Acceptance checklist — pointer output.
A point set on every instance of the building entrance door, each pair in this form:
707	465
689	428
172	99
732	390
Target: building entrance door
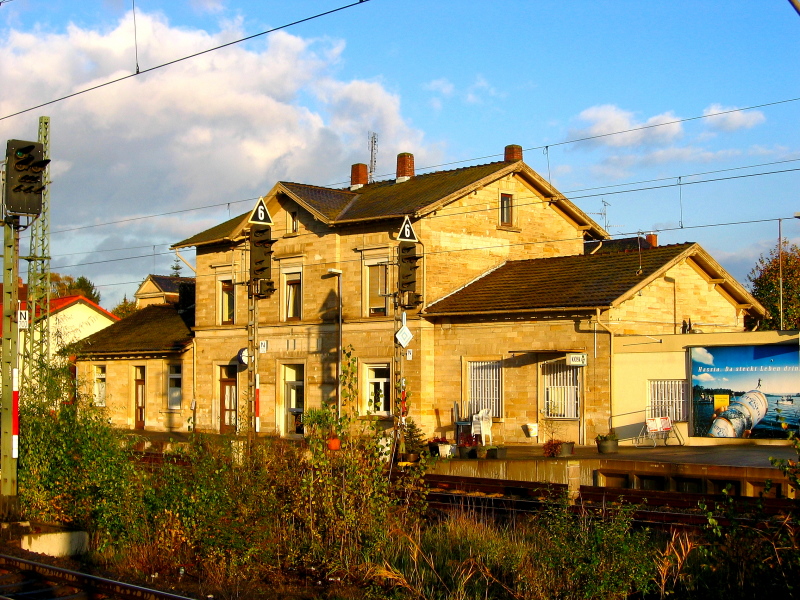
140	398
294	398
228	400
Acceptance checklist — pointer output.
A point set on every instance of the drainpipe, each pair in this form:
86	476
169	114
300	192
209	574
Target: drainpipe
610	365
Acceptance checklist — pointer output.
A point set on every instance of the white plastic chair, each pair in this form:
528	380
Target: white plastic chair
482	424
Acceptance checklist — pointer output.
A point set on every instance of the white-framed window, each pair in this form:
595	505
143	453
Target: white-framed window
562	390
292	223
100	385
174	387
378	389
506	215
377	277
485	386
227	302
294	397
668	398
293	295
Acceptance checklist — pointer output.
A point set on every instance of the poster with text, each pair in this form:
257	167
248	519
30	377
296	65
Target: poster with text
745	391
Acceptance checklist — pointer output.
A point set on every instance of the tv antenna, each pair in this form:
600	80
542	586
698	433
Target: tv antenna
604	213
373	155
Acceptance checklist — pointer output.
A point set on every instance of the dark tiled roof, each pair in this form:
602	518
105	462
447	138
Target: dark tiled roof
171	284
217	233
596	280
156	328
620	245
326	201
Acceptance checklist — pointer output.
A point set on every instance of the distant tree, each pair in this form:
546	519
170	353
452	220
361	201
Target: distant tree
176	267
765	285
84	287
125	308
67	285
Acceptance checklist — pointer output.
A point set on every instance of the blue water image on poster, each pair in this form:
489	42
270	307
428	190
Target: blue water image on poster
745	391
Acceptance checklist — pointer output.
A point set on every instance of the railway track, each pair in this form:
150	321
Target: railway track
653	508
25	579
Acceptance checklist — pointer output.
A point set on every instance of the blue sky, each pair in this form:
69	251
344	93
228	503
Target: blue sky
447	80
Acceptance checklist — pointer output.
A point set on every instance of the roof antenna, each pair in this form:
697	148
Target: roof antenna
680	201
373	156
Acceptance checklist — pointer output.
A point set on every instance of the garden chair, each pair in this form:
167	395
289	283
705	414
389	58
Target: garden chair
482	424
459	422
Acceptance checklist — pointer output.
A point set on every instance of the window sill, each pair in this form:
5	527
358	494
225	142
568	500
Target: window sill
376	418
171	411
509	228
291	234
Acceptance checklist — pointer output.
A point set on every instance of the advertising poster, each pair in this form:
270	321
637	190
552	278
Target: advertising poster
745	391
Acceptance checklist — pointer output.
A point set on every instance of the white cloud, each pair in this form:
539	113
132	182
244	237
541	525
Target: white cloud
217	128
477	92
705	377
608	119
208	6
733	119
703	356
440	86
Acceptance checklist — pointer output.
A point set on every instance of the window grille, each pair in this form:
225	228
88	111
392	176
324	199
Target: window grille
485	386
668	398
561	390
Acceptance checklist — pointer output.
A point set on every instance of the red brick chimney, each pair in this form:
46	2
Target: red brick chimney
405	167
652	239
513	153
358	176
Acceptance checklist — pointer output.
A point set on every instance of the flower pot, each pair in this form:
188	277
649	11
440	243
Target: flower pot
446	450
433	449
481	452
334	444
497	453
467	452
608	446
567	448
409	457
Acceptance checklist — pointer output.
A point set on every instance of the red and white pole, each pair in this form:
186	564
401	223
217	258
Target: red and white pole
15	413
257	403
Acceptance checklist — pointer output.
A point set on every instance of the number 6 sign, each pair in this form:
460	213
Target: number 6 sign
407	232
260	214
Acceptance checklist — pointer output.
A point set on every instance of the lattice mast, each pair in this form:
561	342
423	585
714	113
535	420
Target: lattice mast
36	340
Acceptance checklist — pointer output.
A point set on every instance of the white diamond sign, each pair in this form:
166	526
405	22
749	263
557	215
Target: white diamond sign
403	336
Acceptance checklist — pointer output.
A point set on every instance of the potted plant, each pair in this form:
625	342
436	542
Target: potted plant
556	447
467	446
411	442
496	452
321	423
439	446
607	443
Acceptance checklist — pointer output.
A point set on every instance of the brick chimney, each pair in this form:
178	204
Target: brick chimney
358	176
652	239
405	167
513	153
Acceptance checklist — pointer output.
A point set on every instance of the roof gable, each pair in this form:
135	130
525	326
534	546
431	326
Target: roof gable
388	199
576	282
154	329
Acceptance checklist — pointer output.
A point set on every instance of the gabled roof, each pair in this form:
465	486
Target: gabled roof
59	304
157	328
169	284
416	197
584	282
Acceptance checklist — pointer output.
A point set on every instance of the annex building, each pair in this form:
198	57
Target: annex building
512	295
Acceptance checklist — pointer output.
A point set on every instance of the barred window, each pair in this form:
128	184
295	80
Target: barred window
485	386
561	390
668	398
